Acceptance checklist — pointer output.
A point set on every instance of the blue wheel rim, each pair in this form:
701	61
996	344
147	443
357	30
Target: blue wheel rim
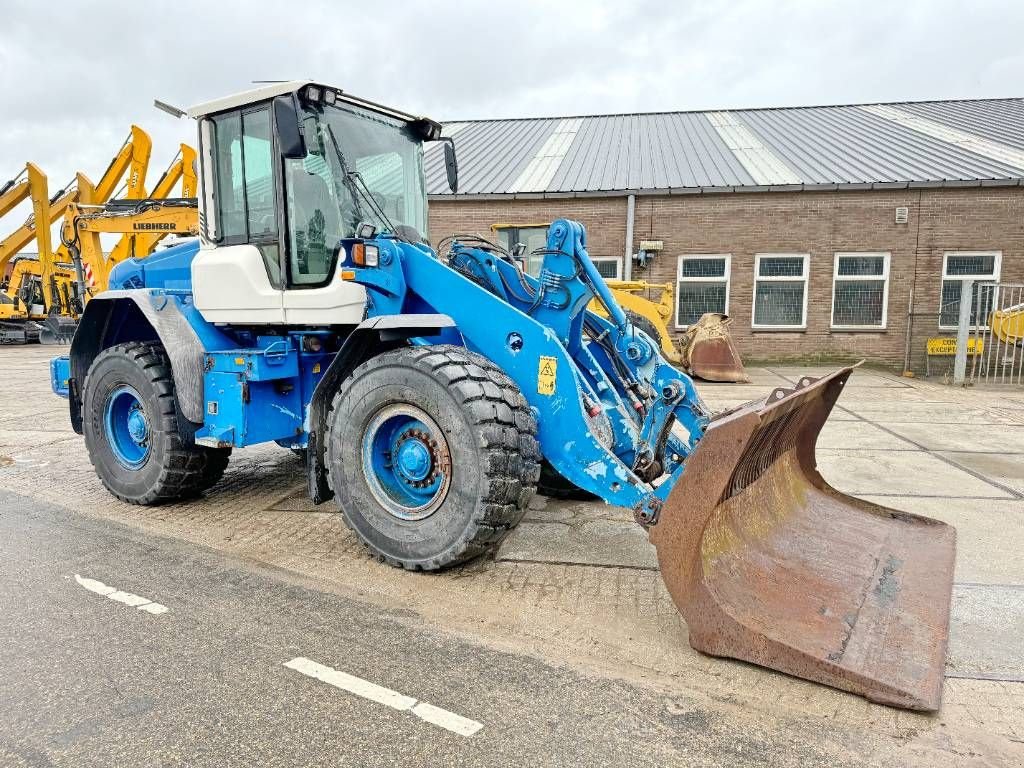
406	462
127	427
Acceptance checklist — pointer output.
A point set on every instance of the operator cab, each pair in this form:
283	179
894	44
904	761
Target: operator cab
287	172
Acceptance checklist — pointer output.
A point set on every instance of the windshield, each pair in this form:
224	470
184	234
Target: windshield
360	167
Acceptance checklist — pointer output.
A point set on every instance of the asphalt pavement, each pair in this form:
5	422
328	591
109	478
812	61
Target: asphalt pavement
127	649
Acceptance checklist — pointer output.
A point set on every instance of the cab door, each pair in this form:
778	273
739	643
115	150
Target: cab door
236	276
315	207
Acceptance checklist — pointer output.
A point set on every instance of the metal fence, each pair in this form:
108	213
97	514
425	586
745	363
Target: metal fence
990	339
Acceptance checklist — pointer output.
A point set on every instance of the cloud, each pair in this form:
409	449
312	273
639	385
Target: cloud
74	77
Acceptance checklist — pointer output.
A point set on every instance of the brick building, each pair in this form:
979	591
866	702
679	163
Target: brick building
825	232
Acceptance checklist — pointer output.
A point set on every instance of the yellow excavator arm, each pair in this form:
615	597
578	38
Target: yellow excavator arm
183	169
147	221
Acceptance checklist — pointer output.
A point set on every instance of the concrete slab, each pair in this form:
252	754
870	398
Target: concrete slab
840	433
22	439
986	627
758	378
903	473
596	542
884	411
860	379
1007	470
989	533
964	437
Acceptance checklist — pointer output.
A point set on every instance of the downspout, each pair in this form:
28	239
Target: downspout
627	259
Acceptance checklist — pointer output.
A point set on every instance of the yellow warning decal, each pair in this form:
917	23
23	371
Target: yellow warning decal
546	369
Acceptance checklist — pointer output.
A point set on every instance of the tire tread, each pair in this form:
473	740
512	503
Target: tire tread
509	450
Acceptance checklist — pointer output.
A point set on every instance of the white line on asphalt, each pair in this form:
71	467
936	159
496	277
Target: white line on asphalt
389	698
127	598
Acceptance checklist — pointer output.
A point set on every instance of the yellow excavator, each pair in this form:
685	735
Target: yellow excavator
31	286
42	297
706	349
46	279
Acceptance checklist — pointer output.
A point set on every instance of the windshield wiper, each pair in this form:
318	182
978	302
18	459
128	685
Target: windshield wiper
361	190
377	207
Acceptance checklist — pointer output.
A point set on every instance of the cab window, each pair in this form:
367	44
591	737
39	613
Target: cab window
247	206
247	209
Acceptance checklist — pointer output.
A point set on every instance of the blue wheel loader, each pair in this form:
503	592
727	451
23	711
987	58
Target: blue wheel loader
432	392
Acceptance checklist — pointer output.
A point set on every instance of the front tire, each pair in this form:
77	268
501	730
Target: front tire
139	445
432	454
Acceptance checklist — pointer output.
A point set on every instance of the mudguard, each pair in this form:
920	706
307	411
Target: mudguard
114	317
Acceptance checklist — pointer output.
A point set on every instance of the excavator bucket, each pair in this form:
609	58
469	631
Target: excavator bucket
57	329
709	353
771	565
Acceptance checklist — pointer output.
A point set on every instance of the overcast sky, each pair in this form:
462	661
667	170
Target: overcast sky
73	79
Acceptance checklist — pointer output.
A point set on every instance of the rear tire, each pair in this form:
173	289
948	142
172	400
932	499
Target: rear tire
140	446
432	455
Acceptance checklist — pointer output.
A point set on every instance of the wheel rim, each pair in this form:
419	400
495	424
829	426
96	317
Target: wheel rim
127	427
406	462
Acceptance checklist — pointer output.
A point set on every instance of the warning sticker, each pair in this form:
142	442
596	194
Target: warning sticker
546	370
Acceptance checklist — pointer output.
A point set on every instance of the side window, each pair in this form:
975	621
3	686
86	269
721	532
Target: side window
247	207
260	198
231	205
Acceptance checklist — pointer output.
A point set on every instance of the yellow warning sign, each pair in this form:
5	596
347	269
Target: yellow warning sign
546	370
947	346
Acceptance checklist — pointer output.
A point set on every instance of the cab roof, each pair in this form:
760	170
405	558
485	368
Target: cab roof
270	90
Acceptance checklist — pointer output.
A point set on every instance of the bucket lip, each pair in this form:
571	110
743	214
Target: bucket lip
781	397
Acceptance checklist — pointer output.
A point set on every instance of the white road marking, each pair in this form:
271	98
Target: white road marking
442	718
127	598
448	720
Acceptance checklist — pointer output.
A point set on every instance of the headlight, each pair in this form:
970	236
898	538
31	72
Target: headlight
365	255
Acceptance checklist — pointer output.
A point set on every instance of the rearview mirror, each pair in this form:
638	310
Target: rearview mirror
286	124
451	165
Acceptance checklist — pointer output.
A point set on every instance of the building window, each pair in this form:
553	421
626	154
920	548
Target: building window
702	285
958	266
610	267
534	237
860	290
780	290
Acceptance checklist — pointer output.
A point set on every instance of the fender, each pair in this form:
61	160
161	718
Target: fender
116	317
370	338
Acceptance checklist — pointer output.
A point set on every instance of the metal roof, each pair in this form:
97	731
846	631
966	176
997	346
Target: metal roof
904	144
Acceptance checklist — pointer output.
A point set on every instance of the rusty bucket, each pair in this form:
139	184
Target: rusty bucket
708	351
771	565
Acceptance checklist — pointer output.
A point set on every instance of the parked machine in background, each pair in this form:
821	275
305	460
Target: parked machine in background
426	390
706	349
43	294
